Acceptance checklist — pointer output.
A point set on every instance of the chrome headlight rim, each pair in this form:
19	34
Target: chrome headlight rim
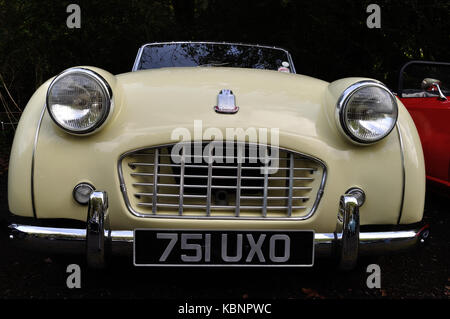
341	107
105	87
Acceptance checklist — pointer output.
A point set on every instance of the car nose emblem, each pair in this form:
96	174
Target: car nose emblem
226	102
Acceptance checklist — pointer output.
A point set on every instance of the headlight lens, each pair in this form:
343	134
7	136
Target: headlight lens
367	112
79	100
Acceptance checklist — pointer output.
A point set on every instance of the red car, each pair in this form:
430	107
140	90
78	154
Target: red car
424	90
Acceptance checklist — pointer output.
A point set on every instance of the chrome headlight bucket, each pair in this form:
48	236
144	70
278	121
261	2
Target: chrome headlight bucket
366	112
79	100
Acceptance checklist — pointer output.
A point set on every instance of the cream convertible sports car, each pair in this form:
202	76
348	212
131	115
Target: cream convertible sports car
215	154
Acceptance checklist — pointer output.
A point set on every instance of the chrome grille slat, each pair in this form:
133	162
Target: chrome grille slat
224	186
266	187
169	195
155	181
291	184
275	197
226	177
214	157
181	194
238	179
218	206
220	166
209	186
190	186
204	196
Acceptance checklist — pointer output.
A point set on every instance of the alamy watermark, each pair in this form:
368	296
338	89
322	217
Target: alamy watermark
74	279
211	146
374	279
74	19
374	19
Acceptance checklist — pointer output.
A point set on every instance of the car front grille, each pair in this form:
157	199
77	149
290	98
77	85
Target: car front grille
233	183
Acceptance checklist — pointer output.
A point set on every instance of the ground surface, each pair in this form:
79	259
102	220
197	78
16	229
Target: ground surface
423	273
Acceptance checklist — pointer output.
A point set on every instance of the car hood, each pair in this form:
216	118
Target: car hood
176	97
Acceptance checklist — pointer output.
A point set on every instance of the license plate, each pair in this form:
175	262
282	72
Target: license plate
222	248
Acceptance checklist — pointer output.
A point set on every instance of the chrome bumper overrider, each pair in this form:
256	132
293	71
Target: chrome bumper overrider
97	242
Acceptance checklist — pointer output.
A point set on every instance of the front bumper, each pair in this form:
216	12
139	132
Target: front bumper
98	242
72	240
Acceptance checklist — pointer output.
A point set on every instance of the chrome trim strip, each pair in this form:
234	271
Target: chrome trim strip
137	59
307	216
50	233
402	150
141	49
33	155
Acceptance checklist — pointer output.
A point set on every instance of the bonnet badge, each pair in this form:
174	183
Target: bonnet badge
226	102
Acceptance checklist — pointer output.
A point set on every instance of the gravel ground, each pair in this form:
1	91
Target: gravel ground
422	273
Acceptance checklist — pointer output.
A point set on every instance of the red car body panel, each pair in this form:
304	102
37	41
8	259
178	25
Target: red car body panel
431	115
432	119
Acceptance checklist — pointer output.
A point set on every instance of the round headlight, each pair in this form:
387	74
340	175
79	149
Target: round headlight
366	112
79	100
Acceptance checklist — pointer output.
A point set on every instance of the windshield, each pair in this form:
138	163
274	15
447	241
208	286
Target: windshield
155	56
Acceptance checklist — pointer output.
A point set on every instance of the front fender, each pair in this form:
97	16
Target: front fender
21	162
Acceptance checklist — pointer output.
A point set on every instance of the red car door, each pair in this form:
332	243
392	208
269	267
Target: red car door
429	106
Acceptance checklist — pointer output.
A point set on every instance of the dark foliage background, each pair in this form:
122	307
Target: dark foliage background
328	39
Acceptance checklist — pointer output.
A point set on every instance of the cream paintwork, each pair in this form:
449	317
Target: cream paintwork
148	105
414	169
19	173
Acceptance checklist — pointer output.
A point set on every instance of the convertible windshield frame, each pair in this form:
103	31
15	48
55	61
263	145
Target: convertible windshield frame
141	49
401	78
